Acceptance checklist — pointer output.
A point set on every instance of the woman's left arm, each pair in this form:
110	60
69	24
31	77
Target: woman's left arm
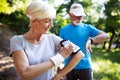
72	63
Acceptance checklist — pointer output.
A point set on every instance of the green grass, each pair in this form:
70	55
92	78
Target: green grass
106	65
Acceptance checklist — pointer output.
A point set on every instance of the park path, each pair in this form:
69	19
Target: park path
7	70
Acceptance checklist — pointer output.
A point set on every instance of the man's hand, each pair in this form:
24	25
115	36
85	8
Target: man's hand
88	46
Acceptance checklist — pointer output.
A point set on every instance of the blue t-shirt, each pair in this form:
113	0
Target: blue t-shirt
79	35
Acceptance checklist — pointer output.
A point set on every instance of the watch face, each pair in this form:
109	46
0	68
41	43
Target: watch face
65	43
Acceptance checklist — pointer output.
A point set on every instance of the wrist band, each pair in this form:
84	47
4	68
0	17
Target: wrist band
57	59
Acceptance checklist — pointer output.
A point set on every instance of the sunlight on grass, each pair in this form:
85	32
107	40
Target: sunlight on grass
106	65
100	64
107	68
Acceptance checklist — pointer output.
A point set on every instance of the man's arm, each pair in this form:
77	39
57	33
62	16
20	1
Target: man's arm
101	37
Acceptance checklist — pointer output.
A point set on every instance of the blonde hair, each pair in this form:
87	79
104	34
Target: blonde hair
40	10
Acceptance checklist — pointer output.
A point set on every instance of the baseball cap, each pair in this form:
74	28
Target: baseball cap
77	9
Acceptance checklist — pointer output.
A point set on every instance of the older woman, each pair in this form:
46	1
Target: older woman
34	52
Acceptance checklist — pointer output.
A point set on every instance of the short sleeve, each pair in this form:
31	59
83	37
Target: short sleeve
93	31
15	44
56	41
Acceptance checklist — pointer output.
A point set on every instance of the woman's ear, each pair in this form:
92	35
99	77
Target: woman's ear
32	22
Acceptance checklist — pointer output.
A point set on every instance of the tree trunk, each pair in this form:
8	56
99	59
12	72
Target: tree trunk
117	43
71	2
104	45
111	39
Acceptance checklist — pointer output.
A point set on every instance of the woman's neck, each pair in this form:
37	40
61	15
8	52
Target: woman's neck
33	37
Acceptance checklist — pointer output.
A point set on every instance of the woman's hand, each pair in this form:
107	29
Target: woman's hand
66	51
57	77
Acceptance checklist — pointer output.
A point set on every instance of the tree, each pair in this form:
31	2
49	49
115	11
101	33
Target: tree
63	17
112	19
12	13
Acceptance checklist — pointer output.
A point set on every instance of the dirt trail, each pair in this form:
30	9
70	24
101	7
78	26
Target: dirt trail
7	71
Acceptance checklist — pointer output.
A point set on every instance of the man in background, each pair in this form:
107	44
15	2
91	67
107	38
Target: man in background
83	35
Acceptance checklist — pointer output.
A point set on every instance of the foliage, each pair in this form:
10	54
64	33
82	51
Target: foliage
106	65
111	20
58	23
12	13
10	6
17	21
63	19
5	8
112	13
20	21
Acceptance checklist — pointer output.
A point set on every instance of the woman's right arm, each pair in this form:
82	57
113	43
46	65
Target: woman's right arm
27	72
